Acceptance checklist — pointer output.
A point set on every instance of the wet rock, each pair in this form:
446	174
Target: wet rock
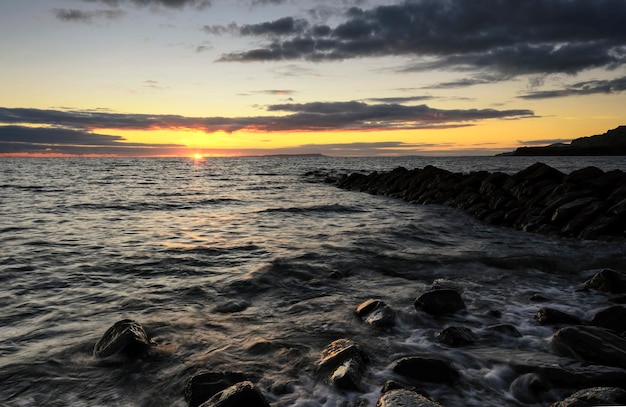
550	316
405	398
592	344
440	302
394	385
613	318
529	388
538	298
505	330
231	306
125	337
343	363
608	280
456	336
205	385
596	396
426	369
588	203
376	313
238	395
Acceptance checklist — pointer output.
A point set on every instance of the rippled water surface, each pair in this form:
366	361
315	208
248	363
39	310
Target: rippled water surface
247	264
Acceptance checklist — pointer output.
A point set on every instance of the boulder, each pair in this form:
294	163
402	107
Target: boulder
440	302
342	363
613	318
125	337
428	369
551	316
202	386
376	313
592	344
405	398
529	388
596	396
238	395
608	280
456	336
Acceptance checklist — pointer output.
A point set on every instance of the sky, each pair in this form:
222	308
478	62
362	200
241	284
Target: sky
332	77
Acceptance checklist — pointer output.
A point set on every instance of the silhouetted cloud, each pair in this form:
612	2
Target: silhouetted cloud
81	16
581	88
317	116
401	99
508	37
46	140
199	4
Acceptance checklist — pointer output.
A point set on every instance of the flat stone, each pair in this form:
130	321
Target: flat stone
405	398
426	369
591	344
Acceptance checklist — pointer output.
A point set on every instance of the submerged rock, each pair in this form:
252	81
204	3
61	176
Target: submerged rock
457	336
426	369
505	330
551	316
529	388
238	395
202	386
607	280
596	396
125	337
613	318
592	344
440	302
343	363
405	398
376	313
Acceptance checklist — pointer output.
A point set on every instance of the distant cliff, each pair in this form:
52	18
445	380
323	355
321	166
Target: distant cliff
613	142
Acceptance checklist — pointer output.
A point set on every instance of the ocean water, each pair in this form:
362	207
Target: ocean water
248	264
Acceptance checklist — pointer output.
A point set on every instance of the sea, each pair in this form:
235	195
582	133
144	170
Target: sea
254	265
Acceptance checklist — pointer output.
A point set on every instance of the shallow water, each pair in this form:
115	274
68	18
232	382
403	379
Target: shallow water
249	265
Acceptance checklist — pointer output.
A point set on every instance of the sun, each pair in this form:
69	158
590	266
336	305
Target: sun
197	156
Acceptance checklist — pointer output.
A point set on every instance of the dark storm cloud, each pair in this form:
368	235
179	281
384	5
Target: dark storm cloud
319	116
199	4
86	16
282	26
607	86
400	99
21	139
510	37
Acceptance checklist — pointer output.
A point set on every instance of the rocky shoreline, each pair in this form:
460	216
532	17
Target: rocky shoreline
587	204
586	357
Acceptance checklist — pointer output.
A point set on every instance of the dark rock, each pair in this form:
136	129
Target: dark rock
613	318
405	398
456	336
394	385
376	313
348	375
584	175
566	212
604	227
505	330
426	369
538	298
583	342
343	363
205	385
596	396
550	316
125	337
238	395
529	388
440	302
231	306
608	280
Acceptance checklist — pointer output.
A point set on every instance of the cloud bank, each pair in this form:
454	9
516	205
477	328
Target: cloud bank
37	130
507	37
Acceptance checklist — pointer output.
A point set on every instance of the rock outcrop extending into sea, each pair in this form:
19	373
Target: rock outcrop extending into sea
588	203
611	143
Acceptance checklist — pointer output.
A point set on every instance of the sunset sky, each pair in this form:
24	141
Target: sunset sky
336	77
